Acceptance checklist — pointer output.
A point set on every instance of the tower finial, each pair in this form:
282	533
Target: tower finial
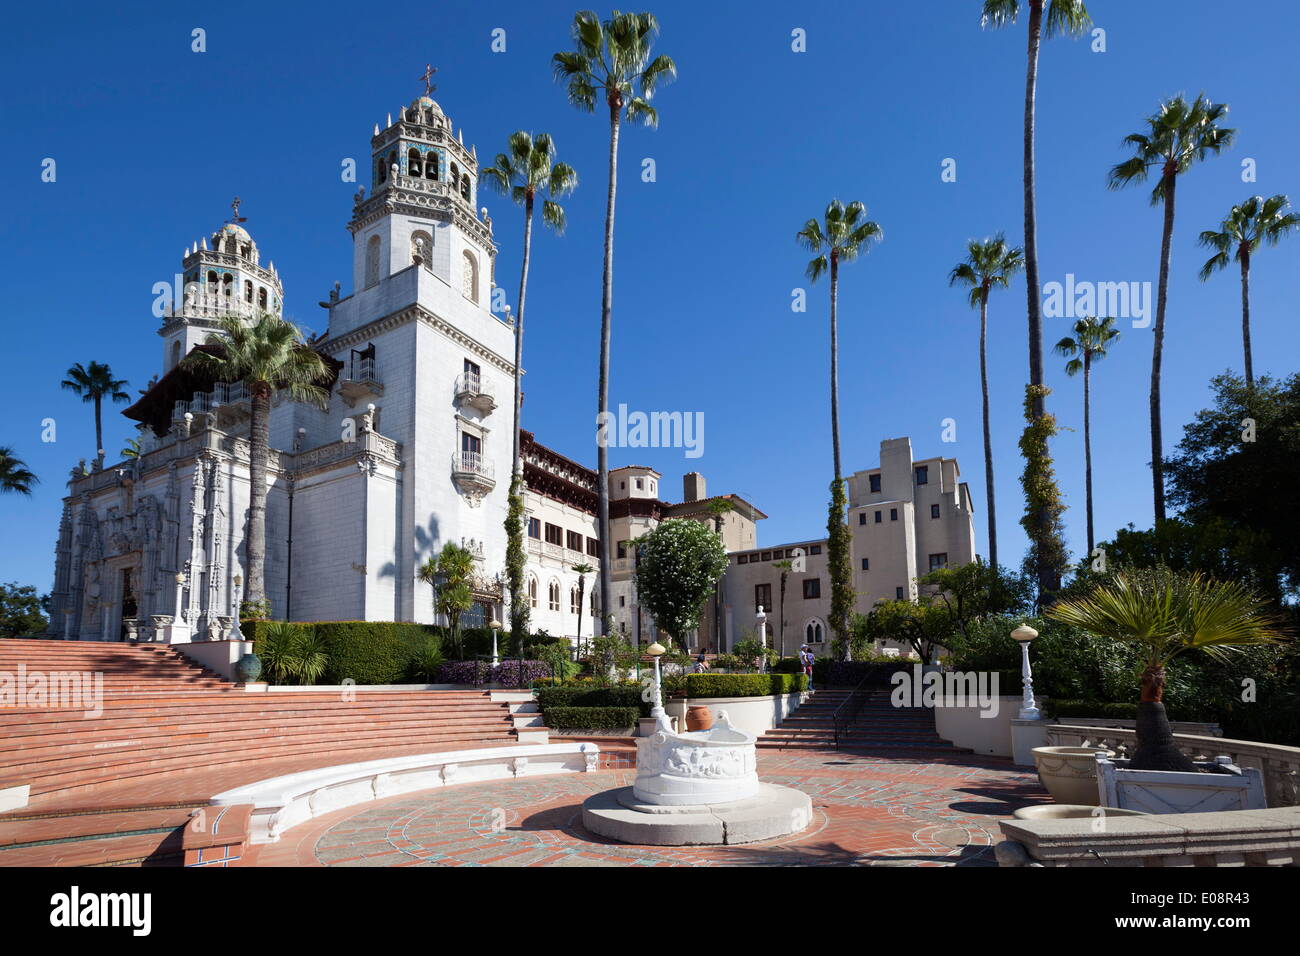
235	217
427	76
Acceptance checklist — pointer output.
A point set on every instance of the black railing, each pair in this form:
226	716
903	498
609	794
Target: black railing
847	712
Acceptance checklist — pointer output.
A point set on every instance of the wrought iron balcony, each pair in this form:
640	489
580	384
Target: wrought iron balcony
472	390
472	474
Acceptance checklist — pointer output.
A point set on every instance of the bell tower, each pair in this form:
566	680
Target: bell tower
226	278
419	208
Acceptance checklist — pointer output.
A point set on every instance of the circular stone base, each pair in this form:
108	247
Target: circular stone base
775	811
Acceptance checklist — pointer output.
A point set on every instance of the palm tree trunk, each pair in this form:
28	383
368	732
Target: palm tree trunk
515	575
1245	315
1157	352
835	365
1087	441
582	593
1155	739
602	400
258	440
783	577
1033	303
988	438
99	429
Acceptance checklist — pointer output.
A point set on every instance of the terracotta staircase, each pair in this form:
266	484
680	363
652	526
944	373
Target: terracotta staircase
879	727
117	787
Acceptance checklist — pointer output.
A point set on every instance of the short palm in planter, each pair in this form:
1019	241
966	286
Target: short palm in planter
1168	613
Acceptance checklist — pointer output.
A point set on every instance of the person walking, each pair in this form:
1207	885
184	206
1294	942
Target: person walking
806	659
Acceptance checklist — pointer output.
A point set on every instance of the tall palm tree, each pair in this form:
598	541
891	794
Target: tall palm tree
94	383
719	508
988	265
1167	613
582	570
1090	342
267	355
14	474
844	234
1255	221
1177	135
525	169
1062	17
612	58
785	567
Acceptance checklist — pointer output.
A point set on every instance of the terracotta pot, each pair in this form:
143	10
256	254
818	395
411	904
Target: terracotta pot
1070	773
699	717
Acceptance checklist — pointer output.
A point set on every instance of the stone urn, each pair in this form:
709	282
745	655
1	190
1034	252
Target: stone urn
696	769
248	668
1072	811
1070	773
699	717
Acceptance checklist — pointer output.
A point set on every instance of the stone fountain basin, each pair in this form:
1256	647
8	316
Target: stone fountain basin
698	768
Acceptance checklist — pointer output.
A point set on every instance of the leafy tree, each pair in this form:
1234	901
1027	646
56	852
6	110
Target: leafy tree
989	265
612	58
94	383
1168	613
20	611
678	565
976	590
1047	558
527	168
267	355
1090	342
451	575
14	473
1243	230
1177	135
923	625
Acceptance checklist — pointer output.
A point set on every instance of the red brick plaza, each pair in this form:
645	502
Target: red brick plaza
896	810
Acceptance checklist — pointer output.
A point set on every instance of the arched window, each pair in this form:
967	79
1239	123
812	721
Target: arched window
212	280
591	602
261	297
575	606
431	164
469	275
392	158
464	187
532	591
455	174
372	261
381	170
421	247
227	284
813	633
553	595
248	291
413	165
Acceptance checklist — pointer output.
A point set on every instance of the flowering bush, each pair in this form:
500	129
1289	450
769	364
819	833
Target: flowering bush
510	673
678	566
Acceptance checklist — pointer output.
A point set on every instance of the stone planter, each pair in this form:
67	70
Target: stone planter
1070	773
1072	811
1216	785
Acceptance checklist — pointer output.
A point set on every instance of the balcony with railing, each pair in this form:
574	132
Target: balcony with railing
473	391
361	383
472	475
223	395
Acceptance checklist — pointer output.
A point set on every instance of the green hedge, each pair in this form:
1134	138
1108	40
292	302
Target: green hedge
604	697
1115	710
590	718
370	652
743	685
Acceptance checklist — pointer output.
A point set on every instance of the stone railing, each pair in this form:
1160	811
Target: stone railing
1227	838
1279	764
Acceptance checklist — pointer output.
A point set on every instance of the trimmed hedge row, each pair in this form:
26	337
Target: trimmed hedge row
590	718
367	652
743	685
603	697
833	673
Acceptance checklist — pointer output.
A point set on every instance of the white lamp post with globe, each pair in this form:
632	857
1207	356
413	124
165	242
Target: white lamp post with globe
1028	706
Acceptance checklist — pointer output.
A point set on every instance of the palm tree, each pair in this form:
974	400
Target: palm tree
1091	339
1255	221
845	234
989	264
583	570
267	355
451	574
526	168
614	58
719	508
1063	17
1166	613
14	474
134	448
1177	135
785	567
94	383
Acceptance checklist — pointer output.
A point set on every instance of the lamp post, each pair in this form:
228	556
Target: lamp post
496	626
761	618
1028	707
656	650
180	596
235	634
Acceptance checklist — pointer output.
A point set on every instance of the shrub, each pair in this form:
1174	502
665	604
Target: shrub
833	673
371	652
508	673
425	663
743	685
590	718
618	695
787	665
290	653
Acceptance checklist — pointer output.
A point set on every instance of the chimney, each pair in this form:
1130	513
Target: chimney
693	487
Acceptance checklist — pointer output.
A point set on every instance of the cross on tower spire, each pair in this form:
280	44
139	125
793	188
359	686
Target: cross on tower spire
427	76
235	217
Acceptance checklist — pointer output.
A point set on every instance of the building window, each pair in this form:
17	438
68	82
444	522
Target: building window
575	604
893	514
553	595
639	484
762	597
591	603
866	564
469	276
875	484
421	247
413	165
898	594
261	297
934	511
534	528
622	550
814	549
622	600
431	164
593	548
813	633
938	561
532	592
922	474
862	517
877	517
743	559
812	588
554	534
573	541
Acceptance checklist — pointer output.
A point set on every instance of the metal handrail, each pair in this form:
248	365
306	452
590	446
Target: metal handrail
857	697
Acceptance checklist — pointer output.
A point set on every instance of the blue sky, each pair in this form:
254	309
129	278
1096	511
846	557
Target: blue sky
152	141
